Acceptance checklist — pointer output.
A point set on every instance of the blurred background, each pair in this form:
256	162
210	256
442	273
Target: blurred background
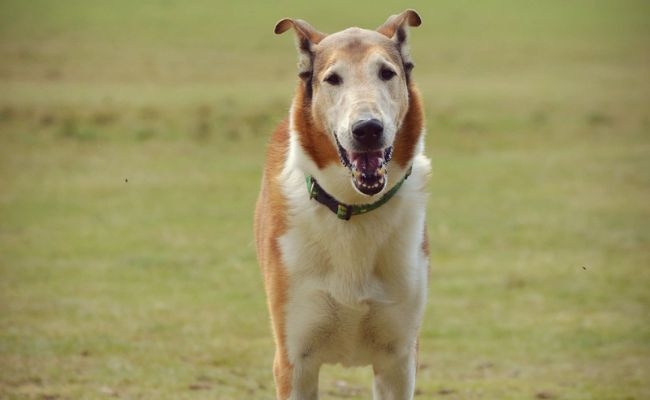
132	137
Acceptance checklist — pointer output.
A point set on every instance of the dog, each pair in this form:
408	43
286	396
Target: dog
340	219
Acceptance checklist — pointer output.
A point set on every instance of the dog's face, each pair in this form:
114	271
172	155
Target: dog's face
357	86
360	98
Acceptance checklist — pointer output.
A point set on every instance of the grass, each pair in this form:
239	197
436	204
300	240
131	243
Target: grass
131	148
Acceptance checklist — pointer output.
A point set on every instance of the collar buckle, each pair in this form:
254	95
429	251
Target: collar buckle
344	211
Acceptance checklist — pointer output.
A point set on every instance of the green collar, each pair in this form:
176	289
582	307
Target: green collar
346	211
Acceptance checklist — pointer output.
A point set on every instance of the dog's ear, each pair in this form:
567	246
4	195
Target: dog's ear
396	29
306	38
396	23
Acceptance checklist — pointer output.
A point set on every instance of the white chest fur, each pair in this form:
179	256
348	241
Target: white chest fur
357	288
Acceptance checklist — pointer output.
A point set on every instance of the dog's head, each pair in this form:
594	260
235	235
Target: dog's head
355	96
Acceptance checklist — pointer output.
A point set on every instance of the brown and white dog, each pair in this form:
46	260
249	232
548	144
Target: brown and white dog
340	218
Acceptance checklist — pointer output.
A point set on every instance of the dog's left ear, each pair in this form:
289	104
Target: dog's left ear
395	28
306	38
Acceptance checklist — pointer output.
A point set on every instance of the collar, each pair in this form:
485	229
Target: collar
346	211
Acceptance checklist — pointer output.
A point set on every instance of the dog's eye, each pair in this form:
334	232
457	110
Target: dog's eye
386	74
334	79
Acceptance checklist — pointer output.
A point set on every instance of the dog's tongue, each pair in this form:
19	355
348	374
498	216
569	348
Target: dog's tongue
367	162
368	171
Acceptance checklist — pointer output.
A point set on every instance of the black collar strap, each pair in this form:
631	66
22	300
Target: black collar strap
346	211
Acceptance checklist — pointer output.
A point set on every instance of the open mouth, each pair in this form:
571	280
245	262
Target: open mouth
368	168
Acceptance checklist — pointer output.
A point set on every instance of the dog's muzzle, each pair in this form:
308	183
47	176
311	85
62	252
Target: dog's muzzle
368	167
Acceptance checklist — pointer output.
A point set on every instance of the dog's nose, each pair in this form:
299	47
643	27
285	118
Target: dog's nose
368	133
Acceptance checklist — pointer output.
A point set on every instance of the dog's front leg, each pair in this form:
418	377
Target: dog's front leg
298	381
305	382
295	379
395	378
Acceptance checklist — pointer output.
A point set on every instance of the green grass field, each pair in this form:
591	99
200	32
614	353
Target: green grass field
131	144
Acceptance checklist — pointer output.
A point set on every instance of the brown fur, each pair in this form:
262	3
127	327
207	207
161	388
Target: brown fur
312	138
270	224
408	135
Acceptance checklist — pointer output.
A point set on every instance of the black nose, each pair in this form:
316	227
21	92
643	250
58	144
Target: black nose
368	133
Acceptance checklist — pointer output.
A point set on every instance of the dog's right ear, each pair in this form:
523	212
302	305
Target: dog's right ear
306	38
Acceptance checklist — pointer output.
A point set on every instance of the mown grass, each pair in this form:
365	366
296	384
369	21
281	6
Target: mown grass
132	137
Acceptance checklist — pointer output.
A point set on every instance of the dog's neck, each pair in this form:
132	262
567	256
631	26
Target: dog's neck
346	211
